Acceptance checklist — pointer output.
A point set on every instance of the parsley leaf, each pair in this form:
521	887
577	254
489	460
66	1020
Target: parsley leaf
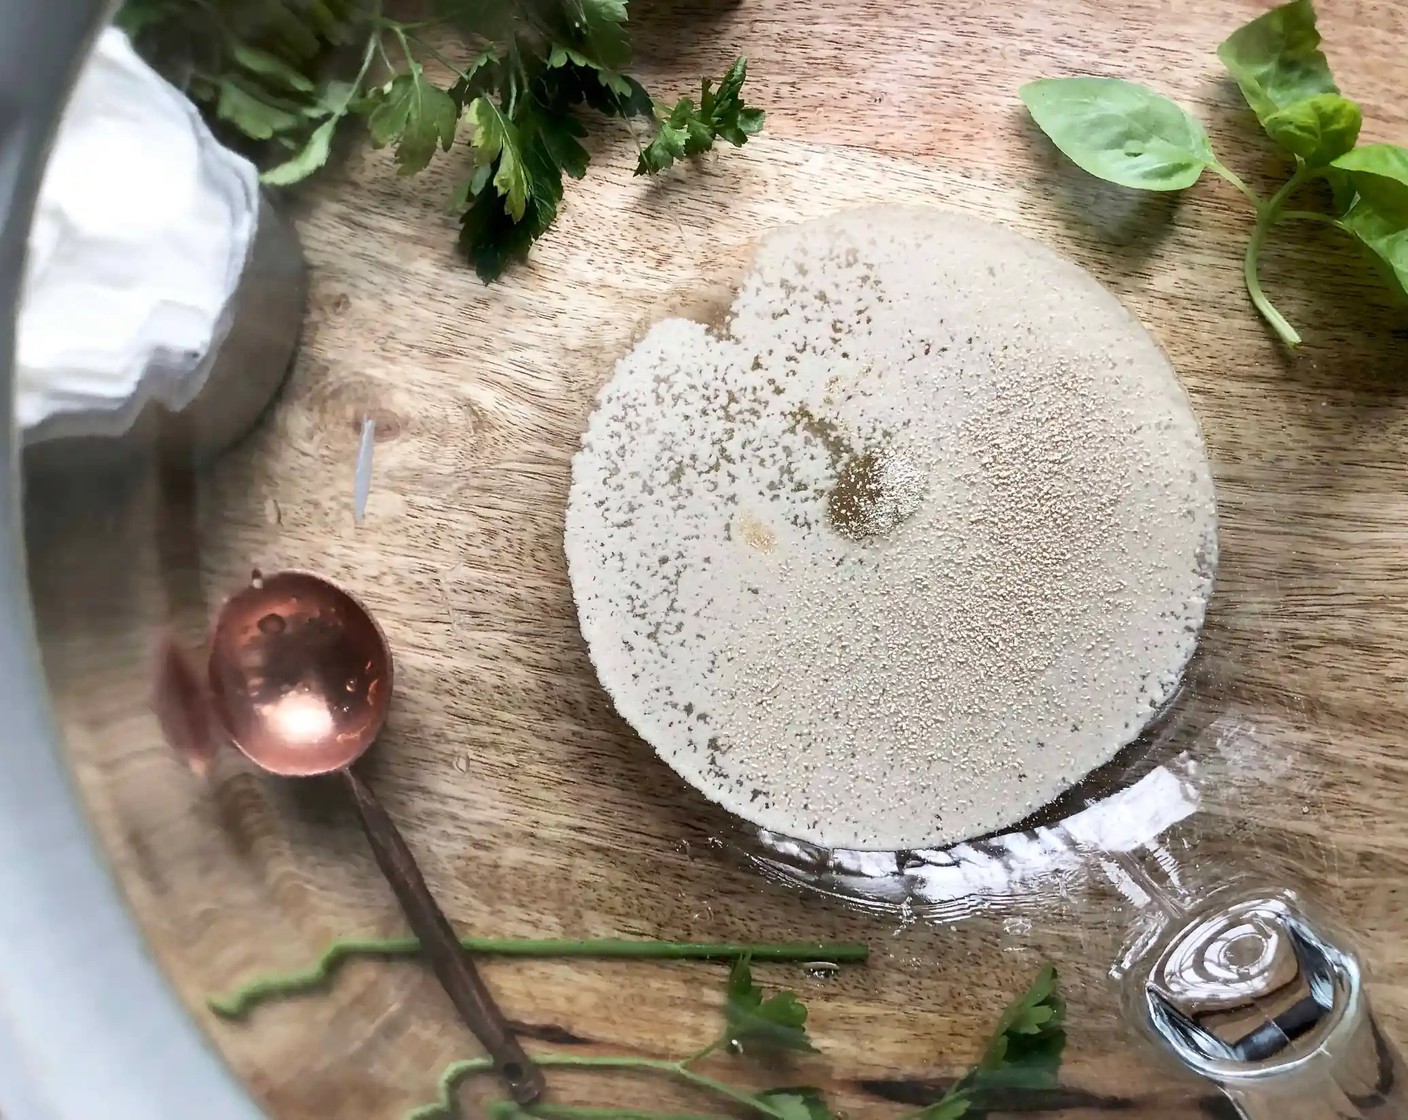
334	102
270	66
627	96
491	235
1023	1053
307	160
491	240
598	37
480	76
670	142
609	92
252	111
496	138
772	1024
687	131
560	137
414	115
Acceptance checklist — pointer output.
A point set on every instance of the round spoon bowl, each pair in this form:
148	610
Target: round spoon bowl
300	674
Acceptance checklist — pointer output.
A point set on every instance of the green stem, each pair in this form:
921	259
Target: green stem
1284	331
1237	181
700	1055
385	57
439	56
957	1092
1307	216
724	1090
415	25
237	1003
369	53
373	45
400	34
458	1071
1267	216
575	1112
444	1103
514	66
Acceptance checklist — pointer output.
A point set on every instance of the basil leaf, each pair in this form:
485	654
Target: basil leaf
309	159
1276	59
1120	131
1379	215
796	1104
1318	129
1386	237
1379	173
1342	189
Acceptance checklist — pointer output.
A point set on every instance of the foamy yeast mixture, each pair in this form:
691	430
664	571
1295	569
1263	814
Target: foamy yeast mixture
922	540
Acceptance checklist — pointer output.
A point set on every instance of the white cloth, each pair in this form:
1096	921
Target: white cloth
142	229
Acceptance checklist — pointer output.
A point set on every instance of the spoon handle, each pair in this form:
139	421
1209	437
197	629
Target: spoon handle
456	971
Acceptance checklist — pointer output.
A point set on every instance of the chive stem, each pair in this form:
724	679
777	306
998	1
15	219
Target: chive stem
237	1003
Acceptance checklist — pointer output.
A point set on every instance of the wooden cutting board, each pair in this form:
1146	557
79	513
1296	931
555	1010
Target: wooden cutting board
535	810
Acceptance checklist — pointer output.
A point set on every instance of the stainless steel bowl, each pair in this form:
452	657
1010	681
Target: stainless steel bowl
88	1027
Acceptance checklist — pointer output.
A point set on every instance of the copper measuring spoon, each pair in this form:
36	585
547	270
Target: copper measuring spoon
300	677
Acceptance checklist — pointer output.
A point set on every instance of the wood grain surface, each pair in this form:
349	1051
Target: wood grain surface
534	809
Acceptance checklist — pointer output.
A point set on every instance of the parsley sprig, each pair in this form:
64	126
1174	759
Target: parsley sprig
1024	1052
522	75
688	131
